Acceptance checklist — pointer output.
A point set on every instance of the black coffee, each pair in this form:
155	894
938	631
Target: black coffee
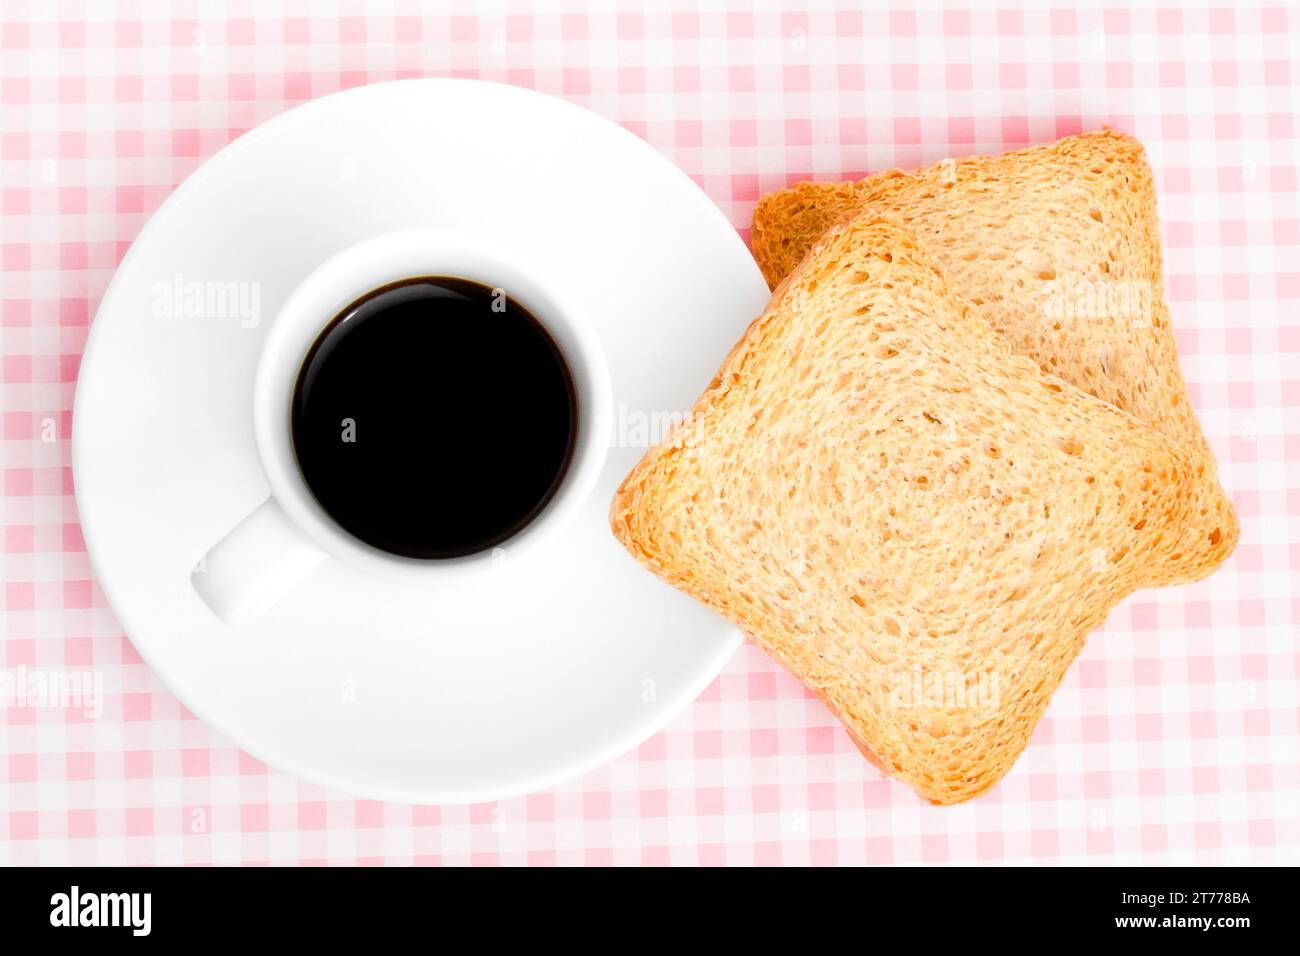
434	417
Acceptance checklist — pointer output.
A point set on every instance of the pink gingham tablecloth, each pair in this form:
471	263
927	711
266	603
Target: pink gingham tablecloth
1174	739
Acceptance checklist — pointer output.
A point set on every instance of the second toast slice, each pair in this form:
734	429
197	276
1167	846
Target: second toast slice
1058	248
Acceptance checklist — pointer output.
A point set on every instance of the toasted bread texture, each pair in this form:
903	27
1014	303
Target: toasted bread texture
919	524
1058	248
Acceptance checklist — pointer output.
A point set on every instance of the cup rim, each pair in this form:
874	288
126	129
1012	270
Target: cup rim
351	273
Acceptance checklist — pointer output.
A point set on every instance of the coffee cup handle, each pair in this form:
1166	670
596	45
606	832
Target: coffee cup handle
255	565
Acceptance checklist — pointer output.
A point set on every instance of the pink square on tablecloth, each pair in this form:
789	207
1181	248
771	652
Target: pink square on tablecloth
431	816
853	130
1282	179
767	853
1097	784
1257	723
240	32
989	846
1203	724
905	76
765	798
17	426
821	797
1015	130
1146	670
1151	783
1224	73
1096	729
1155	838
707	744
24	825
1065	75
711	855
139	821
654	803
631	80
934	848
137	764
80	765
1251	612
631	26
1205	780
1101	843
14	36
1197	614
1232	232
1262	833
902	23
1092	674
956	23
907	130
137	706
15	200
1064	22
742	79
597	806
798	132
368	814
820	740
76	594
1209	836
20	595
1200	670
1222	20
254	817
196	762
78	652
763	741
295	30
1273	20
1150	727
958	76
14	258
1045	843
710	801
19	538
22	768
81	824
1013	76
352	30
1119	75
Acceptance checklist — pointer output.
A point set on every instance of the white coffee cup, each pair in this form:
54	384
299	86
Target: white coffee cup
287	537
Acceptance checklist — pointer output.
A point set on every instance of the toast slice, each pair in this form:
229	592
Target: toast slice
1058	248
920	525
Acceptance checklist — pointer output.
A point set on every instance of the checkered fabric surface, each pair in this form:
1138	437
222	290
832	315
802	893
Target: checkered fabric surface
1174	739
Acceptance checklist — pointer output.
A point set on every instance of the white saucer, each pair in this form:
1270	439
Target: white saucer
531	675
